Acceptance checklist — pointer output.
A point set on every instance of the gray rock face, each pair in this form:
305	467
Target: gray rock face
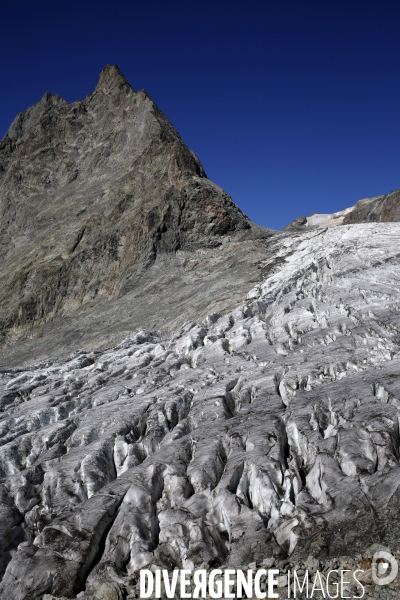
381	209
270	430
180	286
91	194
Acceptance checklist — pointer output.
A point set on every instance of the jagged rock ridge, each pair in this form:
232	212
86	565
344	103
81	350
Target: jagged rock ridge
90	194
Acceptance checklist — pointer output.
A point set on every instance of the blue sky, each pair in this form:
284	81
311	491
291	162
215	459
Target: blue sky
291	105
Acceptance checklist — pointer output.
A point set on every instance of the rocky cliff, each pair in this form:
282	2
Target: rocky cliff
91	193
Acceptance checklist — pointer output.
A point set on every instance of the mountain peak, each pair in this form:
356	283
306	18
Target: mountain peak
112	77
114	187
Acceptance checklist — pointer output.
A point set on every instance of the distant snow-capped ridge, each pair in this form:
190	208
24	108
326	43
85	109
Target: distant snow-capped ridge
382	209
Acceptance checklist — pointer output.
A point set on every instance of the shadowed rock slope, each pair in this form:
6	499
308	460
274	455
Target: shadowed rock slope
91	194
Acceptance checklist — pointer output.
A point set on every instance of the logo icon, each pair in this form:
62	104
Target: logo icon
384	568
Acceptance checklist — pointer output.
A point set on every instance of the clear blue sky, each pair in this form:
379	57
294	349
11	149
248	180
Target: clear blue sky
293	106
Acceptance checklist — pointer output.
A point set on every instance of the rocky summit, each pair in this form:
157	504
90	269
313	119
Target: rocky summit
256	424
98	199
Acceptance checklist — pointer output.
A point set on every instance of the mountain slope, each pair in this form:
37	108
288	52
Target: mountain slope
380	209
269	431
91	193
253	409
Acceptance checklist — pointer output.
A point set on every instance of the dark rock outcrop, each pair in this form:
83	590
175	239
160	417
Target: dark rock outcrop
298	223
